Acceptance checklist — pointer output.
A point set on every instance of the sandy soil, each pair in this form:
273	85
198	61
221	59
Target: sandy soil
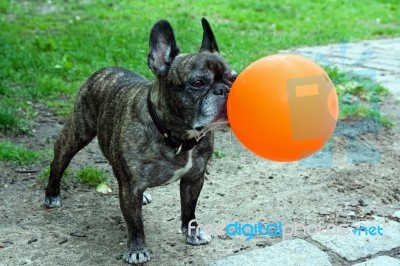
89	229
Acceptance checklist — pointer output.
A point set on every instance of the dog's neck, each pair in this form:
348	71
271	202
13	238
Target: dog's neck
180	143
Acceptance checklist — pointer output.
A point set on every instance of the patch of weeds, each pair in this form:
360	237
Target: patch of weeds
16	115
8	119
60	107
219	154
44	45
91	176
11	152
386	122
47	154
45	173
358	96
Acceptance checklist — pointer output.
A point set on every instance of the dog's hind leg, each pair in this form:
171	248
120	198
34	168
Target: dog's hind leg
78	131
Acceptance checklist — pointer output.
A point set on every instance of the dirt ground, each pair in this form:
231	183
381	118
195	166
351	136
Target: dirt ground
89	229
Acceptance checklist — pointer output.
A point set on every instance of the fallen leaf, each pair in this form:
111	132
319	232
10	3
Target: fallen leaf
103	188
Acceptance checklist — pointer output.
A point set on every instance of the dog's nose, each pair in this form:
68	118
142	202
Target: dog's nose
221	90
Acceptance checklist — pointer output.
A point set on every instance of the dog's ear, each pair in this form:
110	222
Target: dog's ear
163	48
209	44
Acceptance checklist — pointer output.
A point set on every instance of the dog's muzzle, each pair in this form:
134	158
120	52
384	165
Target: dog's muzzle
221	90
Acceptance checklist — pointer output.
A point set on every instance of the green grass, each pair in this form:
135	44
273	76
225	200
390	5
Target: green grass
358	96
45	173
218	154
8	119
91	176
48	50
10	152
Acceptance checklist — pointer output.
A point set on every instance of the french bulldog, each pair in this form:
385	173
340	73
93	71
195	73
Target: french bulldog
152	132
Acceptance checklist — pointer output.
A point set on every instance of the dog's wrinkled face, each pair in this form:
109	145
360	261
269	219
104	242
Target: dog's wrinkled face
193	88
201	83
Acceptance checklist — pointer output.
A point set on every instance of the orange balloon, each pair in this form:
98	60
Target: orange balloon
283	107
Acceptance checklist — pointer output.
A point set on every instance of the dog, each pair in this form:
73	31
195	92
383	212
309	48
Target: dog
152	132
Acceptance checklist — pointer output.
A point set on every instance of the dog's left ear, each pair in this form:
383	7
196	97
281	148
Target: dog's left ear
209	44
163	48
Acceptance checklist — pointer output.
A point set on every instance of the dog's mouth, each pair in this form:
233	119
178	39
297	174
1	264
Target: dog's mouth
223	115
199	131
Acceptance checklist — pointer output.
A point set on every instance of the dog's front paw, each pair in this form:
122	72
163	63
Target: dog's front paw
52	201
197	237
136	256
147	198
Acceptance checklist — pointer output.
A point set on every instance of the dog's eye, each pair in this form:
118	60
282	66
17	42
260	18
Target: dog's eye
197	83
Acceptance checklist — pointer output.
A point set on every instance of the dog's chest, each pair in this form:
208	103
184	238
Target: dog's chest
182	171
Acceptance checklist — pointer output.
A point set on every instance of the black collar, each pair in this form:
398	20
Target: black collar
180	145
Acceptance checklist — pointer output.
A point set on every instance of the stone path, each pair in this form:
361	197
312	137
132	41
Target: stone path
361	245
379	59
364	244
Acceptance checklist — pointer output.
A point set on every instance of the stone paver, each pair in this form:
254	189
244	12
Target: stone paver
289	253
379	59
380	261
354	246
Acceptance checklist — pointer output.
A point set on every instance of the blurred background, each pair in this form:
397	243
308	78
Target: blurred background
48	48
